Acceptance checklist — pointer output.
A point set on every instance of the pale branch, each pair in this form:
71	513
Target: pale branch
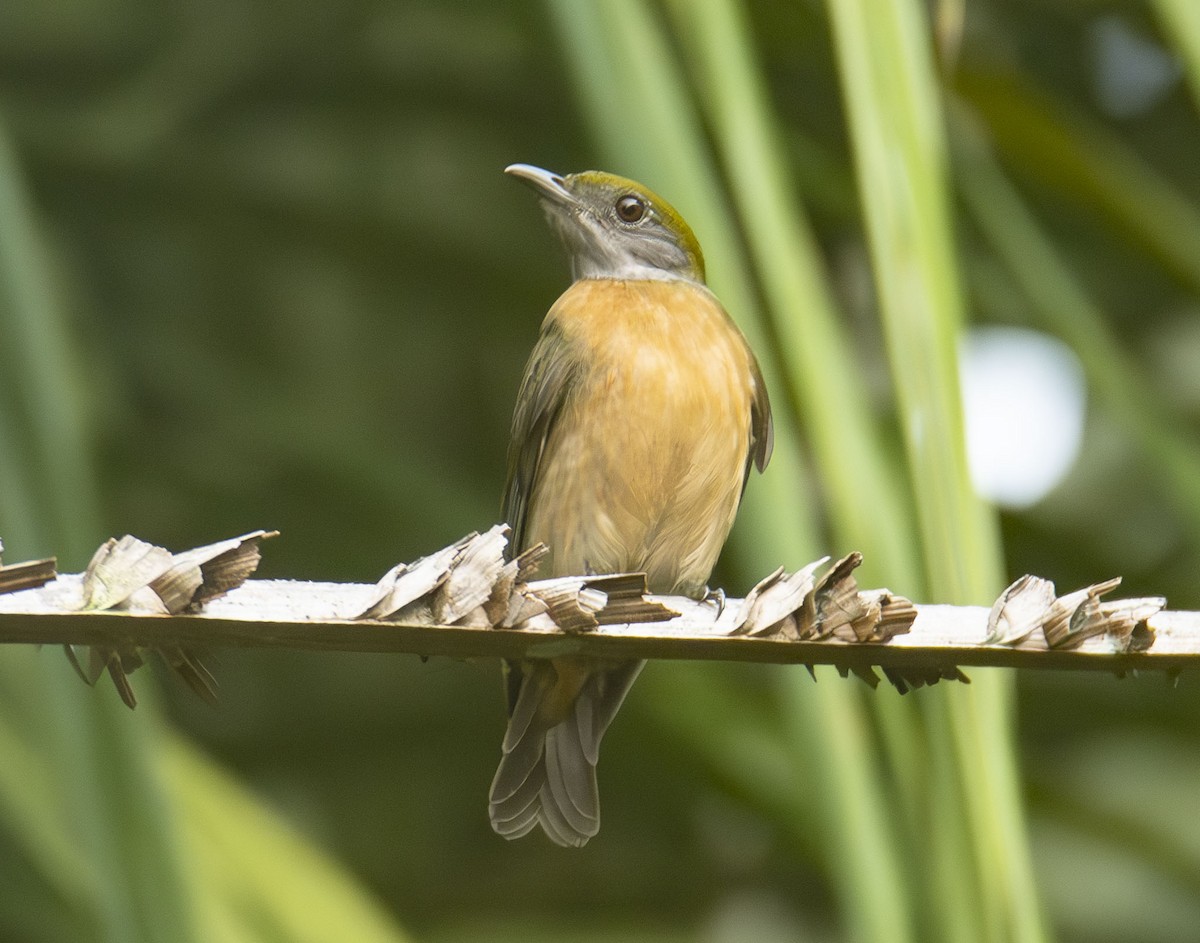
469	601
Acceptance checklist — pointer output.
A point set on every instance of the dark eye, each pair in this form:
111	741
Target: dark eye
630	208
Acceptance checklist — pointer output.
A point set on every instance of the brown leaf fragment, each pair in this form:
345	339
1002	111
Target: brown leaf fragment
1071	623
786	629
505	605
529	560
896	616
135	575
626	600
912	677
570	602
896	679
495	607
120	568
120	679
581	603
406	583
177	587
225	565
118	662
472	576
744	623
468	583
862	628
1076	616
839	608
766	608
1125	622
523	605
806	618
1019	611
188	666
867	674
476	618
95	667
28	575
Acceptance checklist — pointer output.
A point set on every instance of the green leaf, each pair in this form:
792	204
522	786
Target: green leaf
1181	23
894	107
264	882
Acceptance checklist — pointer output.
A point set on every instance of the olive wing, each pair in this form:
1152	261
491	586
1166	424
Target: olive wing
762	426
549	380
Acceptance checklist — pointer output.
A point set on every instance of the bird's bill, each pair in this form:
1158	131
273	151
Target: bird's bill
547	184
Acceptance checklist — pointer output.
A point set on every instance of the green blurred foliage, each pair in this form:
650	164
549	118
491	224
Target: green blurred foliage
299	293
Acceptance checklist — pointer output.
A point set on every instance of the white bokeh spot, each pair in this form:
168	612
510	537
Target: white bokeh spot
1024	400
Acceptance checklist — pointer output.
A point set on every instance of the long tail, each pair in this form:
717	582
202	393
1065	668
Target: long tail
547	774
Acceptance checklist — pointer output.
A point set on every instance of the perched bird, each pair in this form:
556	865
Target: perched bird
641	411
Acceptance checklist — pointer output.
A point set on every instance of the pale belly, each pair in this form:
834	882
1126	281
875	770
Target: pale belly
644	470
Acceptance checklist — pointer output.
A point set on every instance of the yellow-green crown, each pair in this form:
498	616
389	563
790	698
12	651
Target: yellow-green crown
607	188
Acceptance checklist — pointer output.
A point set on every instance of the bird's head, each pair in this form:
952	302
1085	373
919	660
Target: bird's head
615	228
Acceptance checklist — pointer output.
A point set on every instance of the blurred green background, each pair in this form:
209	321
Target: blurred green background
259	268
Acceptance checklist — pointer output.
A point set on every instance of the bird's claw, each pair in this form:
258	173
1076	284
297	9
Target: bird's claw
716	596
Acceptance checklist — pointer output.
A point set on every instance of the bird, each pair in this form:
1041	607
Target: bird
640	414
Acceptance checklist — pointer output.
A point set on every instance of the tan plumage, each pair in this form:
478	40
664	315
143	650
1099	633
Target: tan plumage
640	413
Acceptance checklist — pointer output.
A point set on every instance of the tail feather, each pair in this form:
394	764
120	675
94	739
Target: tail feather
519	827
510	806
585	723
604	693
524	706
557	790
518	815
518	766
572	781
556	826
547	775
577	774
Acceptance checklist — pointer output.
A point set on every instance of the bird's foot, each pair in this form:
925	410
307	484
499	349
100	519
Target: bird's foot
715	597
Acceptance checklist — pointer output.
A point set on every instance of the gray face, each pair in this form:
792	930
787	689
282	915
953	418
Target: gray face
615	228
602	245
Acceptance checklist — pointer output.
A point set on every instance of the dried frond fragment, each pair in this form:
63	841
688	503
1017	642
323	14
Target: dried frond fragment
27	575
1019	611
